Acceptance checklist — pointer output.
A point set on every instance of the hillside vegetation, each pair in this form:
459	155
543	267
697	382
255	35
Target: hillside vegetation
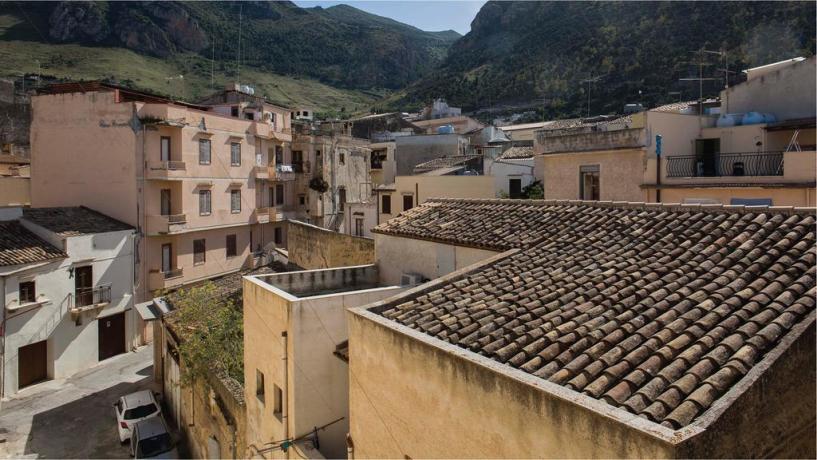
519	53
328	58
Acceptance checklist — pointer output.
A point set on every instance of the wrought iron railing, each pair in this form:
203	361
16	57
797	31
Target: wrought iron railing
726	165
92	296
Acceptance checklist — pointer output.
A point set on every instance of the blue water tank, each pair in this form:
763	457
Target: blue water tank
769	118
445	129
726	120
753	118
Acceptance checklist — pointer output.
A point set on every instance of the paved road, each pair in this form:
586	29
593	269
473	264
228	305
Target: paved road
74	418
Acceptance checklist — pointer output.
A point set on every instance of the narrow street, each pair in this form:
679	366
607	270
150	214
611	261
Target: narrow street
74	418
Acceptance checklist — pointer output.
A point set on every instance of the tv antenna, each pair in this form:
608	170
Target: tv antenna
589	82
238	60
700	62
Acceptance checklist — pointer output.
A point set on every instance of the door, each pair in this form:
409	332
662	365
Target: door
706	152
32	362
165	152
515	188
172	389
167	251
111	335
164	200
84	285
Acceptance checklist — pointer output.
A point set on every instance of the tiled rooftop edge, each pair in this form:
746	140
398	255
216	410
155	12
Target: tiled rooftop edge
260	281
733	208
373	311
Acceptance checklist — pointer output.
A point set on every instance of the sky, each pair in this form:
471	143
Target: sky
427	15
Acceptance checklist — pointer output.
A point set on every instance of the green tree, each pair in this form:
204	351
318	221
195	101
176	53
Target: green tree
211	333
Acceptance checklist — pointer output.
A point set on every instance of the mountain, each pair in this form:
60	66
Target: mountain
341	47
532	54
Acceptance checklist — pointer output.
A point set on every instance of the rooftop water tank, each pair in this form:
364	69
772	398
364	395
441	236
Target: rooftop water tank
769	118
753	118
728	119
445	129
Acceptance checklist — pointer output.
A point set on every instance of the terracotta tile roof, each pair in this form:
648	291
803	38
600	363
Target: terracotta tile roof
497	225
658	310
516	153
674	107
445	162
74	221
18	245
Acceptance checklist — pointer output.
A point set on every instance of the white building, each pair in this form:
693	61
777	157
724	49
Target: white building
66	278
512	171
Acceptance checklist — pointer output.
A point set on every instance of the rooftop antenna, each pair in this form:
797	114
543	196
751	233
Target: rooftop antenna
700	62
590	81
238	61
213	67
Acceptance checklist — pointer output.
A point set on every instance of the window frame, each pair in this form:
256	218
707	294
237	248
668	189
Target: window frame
279	195
385	202
411	197
231	245
260	387
30	298
202	252
590	171
209	145
233	193
278	403
208	200
235	147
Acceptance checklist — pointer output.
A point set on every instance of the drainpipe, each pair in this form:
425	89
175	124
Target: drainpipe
285	390
658	139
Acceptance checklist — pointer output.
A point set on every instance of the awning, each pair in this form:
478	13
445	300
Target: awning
152	310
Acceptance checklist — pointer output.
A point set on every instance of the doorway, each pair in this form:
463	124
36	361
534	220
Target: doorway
706	154
167	251
515	188
164	200
84	285
32	364
111	335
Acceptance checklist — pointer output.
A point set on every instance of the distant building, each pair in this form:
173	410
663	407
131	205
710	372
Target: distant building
306	114
66	275
15	175
458	124
440	109
589	330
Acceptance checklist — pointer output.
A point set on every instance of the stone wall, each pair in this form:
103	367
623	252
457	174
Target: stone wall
312	247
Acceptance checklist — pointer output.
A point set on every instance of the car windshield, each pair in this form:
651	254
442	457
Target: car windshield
153	446
141	411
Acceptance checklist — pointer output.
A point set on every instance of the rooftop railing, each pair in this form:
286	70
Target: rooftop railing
735	164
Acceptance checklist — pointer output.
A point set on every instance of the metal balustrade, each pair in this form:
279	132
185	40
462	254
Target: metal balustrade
735	164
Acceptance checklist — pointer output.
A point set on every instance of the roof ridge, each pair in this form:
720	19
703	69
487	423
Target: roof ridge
738	208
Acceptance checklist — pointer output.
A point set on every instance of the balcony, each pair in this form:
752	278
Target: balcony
739	164
284	172
164	280
269	131
162	225
89	299
269	214
165	170
261	172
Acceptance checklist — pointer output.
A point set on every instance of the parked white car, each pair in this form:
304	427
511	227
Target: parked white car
133	408
151	439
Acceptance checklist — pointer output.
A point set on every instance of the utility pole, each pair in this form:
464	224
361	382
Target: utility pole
589	82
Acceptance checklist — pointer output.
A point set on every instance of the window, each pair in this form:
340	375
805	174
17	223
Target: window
232	249
235	201
306	113
342	157
385	204
235	154
358	227
259	385
204	151
341	199
164	153
234	111
27	292
249	116
302	200
279	236
589	187
408	202
515	188
279	194
199	251
278	408
279	155
377	158
272	117
140	411
204	203
297	161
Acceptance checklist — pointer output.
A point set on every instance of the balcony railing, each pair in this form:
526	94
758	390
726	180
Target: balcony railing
172	273
166	169
726	165
84	297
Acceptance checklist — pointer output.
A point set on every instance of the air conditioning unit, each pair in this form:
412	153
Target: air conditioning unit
411	279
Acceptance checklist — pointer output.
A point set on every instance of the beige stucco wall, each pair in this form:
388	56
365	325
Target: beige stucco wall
802	196
396	256
411	400
424	187
84	151
788	92
15	191
314	382
620	174
313	247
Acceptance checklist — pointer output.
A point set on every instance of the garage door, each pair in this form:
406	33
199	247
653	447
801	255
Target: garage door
32	362
111	335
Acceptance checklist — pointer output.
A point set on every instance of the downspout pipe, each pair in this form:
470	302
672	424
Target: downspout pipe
658	141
